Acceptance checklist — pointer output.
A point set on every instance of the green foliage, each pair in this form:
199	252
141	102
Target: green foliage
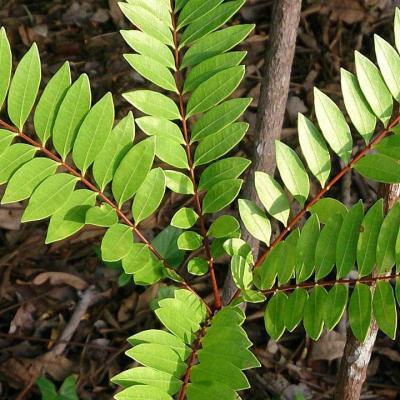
67	389
164	354
83	168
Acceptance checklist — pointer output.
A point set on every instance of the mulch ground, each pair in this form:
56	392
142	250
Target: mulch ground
42	287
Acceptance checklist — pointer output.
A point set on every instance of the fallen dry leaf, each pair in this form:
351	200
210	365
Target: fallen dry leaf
60	278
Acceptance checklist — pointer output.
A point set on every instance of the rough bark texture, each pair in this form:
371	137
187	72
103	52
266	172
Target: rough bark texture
356	357
272	102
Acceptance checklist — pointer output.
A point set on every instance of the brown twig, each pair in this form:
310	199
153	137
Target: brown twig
307	285
196	195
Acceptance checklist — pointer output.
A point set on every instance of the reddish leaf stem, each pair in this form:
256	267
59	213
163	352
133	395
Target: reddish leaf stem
192	360
322	193
92	187
308	285
196	195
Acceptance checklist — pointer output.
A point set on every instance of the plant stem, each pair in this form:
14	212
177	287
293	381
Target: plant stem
93	188
186	136
332	282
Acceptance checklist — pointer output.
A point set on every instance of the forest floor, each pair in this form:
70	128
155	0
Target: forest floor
41	287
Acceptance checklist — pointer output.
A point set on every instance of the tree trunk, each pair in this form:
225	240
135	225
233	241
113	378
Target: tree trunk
272	103
356	357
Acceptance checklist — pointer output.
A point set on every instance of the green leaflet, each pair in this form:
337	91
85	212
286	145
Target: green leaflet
218	118
27	178
255	220
221	195
385	249
346	246
70	218
49	197
214	90
327	207
143	392
161	127
333	125
160	10
265	274
116	243
208	68
287	267
149	195
241	272
93	133
178	182
210	22
223	226
274	315
294	308
24	87
104	215
161	337
379	167
292	172
50	101
142	264
153	103
158	356
313	312
325	252
368	239
118	142
374	88
148	376
239	247
215	43
6	138
194	9
305	249
171	152
314	149
182	315
357	106
13	158
389	146
72	111
149	46
184	218
272	196
132	170
227	168
335	305
360	311
152	70
397	28
389	65
147	22
198	266
384	307
189	240
5	66
144	375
